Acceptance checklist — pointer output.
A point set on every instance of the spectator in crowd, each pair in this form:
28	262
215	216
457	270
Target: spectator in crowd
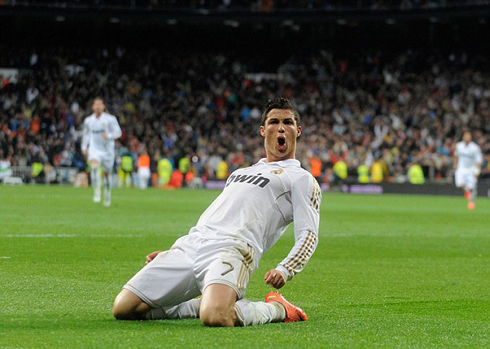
485	170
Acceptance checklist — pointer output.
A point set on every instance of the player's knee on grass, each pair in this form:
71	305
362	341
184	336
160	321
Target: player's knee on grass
218	306
218	316
128	306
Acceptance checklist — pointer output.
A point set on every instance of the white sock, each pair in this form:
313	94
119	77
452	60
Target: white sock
186	310
95	177
258	313
108	183
473	195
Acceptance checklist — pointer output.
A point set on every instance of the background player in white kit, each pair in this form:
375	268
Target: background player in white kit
99	132
219	255
468	158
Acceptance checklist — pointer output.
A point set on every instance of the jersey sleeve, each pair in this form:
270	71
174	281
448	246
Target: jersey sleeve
114	129
86	135
306	199
479	156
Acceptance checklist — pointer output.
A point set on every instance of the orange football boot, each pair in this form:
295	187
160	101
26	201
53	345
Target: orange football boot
293	313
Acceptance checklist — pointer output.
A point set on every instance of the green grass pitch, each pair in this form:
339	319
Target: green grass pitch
390	271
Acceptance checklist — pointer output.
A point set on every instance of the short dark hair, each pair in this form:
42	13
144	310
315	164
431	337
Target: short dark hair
280	103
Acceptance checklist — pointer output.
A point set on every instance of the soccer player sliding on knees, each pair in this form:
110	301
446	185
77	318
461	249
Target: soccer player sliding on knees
219	255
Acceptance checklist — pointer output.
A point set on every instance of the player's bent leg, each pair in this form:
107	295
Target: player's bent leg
472	196
95	178
259	313
218	306
128	306
185	310
167	285
107	188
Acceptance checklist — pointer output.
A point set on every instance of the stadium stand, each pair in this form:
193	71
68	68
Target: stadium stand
397	110
370	105
258	5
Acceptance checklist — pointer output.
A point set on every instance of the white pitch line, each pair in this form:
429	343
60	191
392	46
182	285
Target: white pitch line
5	257
69	236
40	235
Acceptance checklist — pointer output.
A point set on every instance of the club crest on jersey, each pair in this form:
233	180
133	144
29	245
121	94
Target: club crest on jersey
277	171
249	179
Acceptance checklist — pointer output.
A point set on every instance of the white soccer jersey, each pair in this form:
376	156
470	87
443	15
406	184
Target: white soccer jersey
468	156
258	204
94	127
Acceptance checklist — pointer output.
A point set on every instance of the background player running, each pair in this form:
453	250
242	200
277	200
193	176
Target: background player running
468	159
219	255
99	132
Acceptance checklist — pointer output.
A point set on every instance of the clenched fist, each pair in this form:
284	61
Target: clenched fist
274	278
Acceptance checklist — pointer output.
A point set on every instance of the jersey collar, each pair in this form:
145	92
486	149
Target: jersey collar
283	163
101	115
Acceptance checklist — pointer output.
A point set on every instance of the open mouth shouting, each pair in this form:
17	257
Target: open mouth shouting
281	143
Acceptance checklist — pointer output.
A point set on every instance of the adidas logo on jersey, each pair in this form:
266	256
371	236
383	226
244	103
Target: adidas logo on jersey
250	179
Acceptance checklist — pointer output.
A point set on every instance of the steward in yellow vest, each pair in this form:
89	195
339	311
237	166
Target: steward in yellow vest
127	167
415	174
340	169
363	174
184	165
377	172
165	170
222	170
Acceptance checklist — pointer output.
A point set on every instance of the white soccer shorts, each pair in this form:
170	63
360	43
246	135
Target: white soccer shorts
465	179
192	264
106	161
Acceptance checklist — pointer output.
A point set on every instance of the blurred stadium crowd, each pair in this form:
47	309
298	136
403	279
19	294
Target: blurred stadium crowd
384	113
247	5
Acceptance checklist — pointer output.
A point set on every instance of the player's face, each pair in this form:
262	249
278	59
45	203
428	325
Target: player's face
467	137
280	132
98	106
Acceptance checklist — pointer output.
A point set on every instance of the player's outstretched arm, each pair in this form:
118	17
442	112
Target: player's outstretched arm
152	256
275	278
306	197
